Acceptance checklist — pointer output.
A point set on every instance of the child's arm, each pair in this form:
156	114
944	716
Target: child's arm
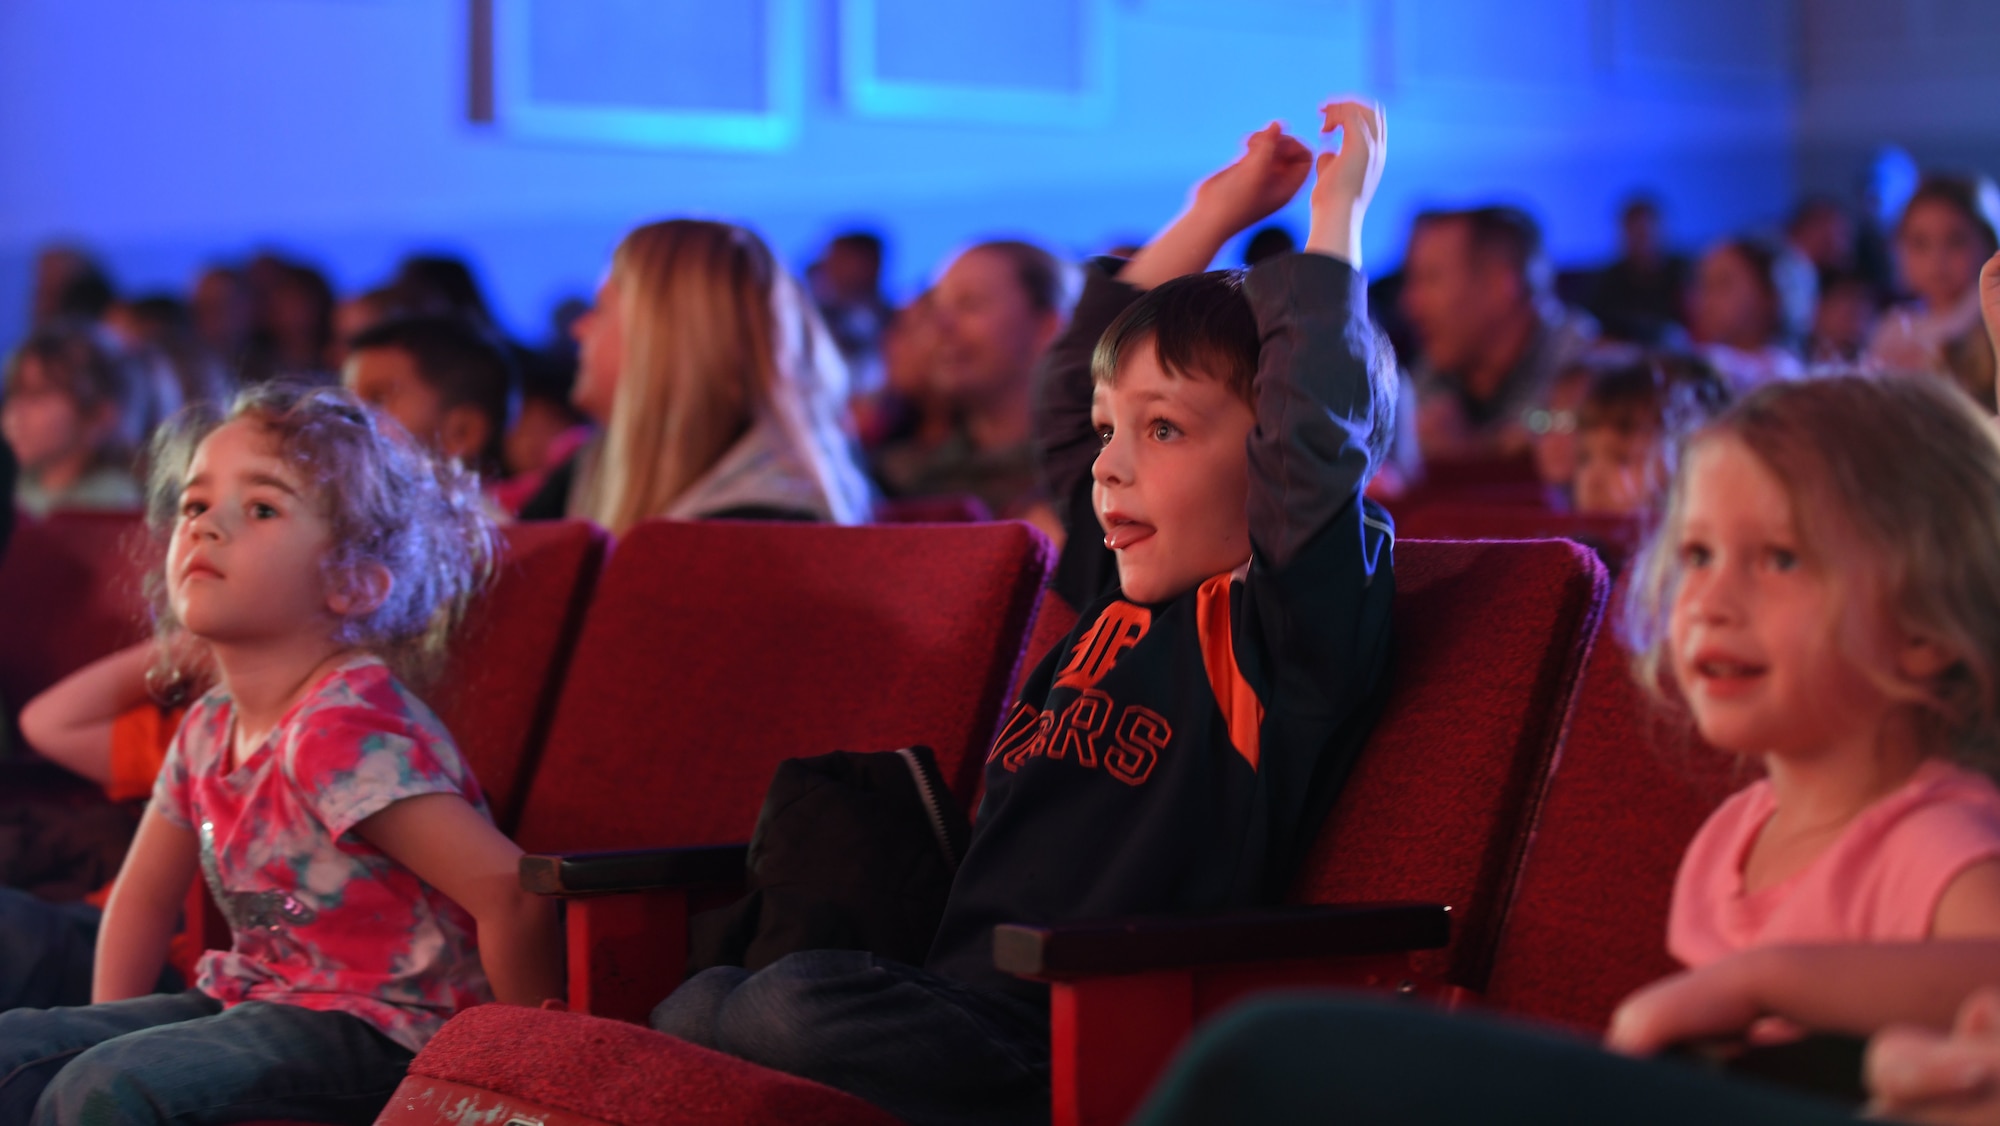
1309	625
1922	1075
1347	179
1315	386
1263	179
144	910
1970	905
70	722
451	847
1851	988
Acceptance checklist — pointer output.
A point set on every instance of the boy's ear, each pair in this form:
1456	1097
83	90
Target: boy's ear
1923	659
361	590
463	433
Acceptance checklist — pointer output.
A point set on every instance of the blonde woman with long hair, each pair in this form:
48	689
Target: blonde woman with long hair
719	390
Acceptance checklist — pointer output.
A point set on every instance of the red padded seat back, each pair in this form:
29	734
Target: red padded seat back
1489	639
1613	537
71	591
1054	618
498	691
715	650
1506	480
966	509
1589	920
1481	472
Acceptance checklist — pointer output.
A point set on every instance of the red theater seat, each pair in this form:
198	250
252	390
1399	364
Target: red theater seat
932	510
498	692
1054	618
71	591
1511	481
657	1080
1589	920
713	652
1489	641
1614	538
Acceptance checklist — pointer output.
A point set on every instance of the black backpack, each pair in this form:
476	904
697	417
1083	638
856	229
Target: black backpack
851	852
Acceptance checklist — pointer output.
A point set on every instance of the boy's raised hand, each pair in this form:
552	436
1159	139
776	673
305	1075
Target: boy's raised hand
1347	178
1270	172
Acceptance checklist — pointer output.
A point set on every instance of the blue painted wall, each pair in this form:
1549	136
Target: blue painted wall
167	133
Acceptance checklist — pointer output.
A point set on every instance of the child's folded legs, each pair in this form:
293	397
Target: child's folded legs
183	1058
923	1047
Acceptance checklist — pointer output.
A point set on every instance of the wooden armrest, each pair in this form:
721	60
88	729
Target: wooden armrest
601	873
1070	951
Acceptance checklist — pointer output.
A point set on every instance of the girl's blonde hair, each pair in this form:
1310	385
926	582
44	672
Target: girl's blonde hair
385	500
1894	485
717	336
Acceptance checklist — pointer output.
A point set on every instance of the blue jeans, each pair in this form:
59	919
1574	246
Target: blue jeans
922	1047
1329	1060
183	1058
46	950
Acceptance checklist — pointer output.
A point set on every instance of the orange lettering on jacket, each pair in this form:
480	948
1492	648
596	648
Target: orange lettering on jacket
1129	753
1117	629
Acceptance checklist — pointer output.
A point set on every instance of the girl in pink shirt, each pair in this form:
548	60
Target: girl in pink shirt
1823	597
316	554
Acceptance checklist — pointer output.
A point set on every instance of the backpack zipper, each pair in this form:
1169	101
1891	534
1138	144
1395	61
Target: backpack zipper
927	793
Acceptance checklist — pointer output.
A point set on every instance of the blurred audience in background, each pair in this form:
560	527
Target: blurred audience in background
996	308
1638	296
846	284
74	413
1949	228
1750	304
719	390
937	393
1490	334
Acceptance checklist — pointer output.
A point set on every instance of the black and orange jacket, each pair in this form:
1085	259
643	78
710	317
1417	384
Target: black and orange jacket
1174	758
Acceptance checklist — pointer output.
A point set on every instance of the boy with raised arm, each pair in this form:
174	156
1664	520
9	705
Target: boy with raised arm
1211	434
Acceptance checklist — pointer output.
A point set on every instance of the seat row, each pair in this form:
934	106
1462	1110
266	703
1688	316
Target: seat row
1507	838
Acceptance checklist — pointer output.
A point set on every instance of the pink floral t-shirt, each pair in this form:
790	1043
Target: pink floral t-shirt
319	917
1879	881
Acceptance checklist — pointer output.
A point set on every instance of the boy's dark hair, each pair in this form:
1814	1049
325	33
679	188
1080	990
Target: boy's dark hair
464	362
1201	327
1668	393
